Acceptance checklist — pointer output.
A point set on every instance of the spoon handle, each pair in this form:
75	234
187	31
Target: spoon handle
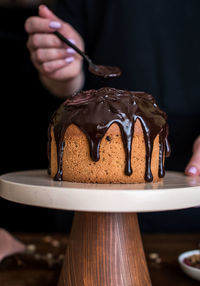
65	40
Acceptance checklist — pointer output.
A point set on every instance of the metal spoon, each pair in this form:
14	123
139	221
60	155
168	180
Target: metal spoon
98	70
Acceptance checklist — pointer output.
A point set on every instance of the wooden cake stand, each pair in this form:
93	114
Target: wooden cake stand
105	246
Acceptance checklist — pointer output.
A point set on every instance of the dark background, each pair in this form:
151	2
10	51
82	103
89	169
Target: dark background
26	108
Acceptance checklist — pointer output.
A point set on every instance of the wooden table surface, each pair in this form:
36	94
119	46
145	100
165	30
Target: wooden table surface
41	264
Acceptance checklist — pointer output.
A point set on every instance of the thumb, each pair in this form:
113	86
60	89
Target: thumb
45	12
65	29
193	167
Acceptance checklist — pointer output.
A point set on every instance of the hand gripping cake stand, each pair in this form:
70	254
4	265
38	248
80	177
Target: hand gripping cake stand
105	246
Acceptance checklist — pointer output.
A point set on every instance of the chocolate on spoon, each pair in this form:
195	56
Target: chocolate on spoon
98	70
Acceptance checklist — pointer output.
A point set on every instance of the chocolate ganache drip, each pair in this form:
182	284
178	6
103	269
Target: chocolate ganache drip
94	111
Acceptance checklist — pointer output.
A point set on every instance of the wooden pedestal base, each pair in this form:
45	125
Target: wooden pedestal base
105	249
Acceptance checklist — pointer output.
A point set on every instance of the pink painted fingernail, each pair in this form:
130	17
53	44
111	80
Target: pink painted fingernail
72	41
54	25
70	51
192	170
69	60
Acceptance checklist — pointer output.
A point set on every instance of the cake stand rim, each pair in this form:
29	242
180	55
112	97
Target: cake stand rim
95	200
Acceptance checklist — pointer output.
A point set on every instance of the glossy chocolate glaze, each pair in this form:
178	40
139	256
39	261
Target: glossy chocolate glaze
94	111
104	71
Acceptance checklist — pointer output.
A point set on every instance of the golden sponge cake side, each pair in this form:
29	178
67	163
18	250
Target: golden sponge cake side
77	165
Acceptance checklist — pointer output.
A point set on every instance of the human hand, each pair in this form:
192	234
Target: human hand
51	57
193	167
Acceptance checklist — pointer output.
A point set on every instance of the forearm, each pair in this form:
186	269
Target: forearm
63	89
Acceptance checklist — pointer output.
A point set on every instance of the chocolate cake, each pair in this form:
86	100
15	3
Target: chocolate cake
108	136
